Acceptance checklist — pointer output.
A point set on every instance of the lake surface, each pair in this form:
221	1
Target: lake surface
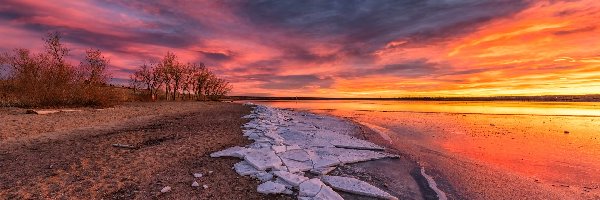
547	150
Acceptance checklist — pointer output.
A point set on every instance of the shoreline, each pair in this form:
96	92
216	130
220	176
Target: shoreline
426	184
402	177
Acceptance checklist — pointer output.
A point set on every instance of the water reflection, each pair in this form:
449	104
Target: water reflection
556	143
485	107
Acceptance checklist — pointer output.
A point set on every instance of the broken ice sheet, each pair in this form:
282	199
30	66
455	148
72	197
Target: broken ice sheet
355	186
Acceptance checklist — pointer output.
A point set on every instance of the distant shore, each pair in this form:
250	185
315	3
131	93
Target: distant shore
545	98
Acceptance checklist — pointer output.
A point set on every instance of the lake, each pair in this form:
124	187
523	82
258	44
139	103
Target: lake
548	150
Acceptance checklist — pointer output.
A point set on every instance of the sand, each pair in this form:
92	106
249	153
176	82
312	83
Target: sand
71	154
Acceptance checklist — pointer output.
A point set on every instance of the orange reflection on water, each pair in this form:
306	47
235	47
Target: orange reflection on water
536	146
553	143
483	107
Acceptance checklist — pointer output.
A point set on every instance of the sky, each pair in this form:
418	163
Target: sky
336	48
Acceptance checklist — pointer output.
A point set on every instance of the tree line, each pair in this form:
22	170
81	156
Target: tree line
192	81
47	79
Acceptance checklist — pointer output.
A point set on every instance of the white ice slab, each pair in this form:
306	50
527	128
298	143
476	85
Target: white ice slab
238	152
290	178
355	186
327	193
244	168
283	182
322	171
356	144
263	159
279	148
310	188
263	176
271	187
297	166
297	155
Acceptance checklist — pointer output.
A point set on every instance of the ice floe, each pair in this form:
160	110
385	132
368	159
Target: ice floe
355	186
271	187
289	144
263	159
244	168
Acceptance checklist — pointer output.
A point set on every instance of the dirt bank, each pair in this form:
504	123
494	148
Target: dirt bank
70	154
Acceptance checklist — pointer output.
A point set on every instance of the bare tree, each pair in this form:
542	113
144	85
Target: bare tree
190	73
149	77
176	78
55	48
93	68
165	68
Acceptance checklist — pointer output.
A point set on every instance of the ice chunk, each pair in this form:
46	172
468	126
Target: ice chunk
278	148
296	166
238	152
310	188
356	144
283	182
293	147
244	168
355	186
297	155
290	178
263	176
263	159
271	187
322	170
327	193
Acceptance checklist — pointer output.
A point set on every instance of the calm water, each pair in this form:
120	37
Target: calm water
554	143
484	107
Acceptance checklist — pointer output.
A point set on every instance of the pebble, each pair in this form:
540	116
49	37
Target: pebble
197	175
205	186
165	189
195	184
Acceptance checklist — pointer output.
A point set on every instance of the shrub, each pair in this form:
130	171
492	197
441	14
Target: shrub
47	80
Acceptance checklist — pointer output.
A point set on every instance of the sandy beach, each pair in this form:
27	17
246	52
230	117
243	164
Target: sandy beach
71	154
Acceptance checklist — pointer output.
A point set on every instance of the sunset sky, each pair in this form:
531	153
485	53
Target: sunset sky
337	48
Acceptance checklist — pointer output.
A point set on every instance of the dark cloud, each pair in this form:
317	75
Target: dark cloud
579	30
409	68
161	27
218	56
412	68
286	82
465	72
377	22
259	67
297	53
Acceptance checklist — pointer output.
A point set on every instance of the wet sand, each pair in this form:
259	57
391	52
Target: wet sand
493	156
69	155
